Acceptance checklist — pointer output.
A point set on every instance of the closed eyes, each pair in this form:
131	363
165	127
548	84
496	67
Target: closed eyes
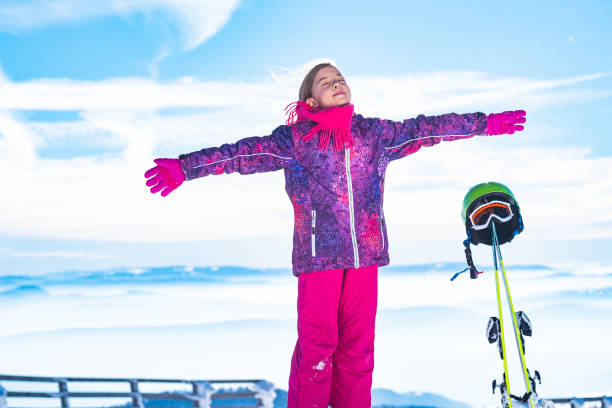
326	83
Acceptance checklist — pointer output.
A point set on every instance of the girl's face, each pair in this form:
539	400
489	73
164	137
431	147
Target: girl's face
329	89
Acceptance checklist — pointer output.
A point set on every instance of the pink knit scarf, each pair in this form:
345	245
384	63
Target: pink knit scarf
331	123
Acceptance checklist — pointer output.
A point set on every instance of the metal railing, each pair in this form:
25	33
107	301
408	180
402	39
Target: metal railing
203	394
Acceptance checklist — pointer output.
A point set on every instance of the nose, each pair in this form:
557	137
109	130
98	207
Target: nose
336	84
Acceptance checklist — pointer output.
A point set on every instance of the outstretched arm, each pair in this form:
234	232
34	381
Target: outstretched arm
403	138
246	156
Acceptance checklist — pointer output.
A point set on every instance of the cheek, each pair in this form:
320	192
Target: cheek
325	93
319	93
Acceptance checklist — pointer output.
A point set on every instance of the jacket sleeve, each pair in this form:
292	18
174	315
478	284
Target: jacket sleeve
400	139
256	154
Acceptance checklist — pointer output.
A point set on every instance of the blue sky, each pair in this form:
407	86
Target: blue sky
90	94
544	40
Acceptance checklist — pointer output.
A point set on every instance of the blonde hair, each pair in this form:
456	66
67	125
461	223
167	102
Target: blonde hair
306	87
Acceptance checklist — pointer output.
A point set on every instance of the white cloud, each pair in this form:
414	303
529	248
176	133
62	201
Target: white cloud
440	92
16	147
59	254
421	93
104	197
135	94
555	186
197	20
62	134
421	307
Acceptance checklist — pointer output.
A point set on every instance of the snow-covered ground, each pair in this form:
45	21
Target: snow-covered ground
220	323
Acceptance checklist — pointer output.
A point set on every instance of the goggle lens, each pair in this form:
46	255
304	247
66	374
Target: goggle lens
482	215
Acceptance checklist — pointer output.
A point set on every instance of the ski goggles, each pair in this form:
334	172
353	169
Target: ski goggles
482	215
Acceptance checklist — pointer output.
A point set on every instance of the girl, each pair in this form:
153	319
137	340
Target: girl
340	236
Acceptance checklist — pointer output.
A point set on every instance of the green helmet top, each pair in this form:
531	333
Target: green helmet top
484	189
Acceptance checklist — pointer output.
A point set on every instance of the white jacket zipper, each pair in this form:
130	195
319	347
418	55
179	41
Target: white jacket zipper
352	211
314	223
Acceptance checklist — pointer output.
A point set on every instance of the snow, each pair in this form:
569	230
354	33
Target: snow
265	393
204	391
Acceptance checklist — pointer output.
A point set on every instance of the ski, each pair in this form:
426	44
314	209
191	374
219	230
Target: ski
519	341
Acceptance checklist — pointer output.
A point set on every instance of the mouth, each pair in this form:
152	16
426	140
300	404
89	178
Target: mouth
339	93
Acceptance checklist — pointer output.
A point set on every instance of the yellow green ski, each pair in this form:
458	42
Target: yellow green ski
519	342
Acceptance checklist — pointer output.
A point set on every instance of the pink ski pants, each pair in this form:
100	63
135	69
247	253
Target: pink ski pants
333	359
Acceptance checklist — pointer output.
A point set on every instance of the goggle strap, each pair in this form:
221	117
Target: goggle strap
468	257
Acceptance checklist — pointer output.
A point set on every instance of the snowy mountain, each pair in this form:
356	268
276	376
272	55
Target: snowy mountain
209	274
381	398
385	398
24	291
388	398
141	275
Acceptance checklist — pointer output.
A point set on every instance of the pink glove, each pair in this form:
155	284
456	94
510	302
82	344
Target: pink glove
166	176
505	123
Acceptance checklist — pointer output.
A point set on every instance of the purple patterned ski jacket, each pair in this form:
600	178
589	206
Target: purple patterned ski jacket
337	197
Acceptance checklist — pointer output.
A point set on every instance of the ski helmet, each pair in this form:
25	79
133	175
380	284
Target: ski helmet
488	203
